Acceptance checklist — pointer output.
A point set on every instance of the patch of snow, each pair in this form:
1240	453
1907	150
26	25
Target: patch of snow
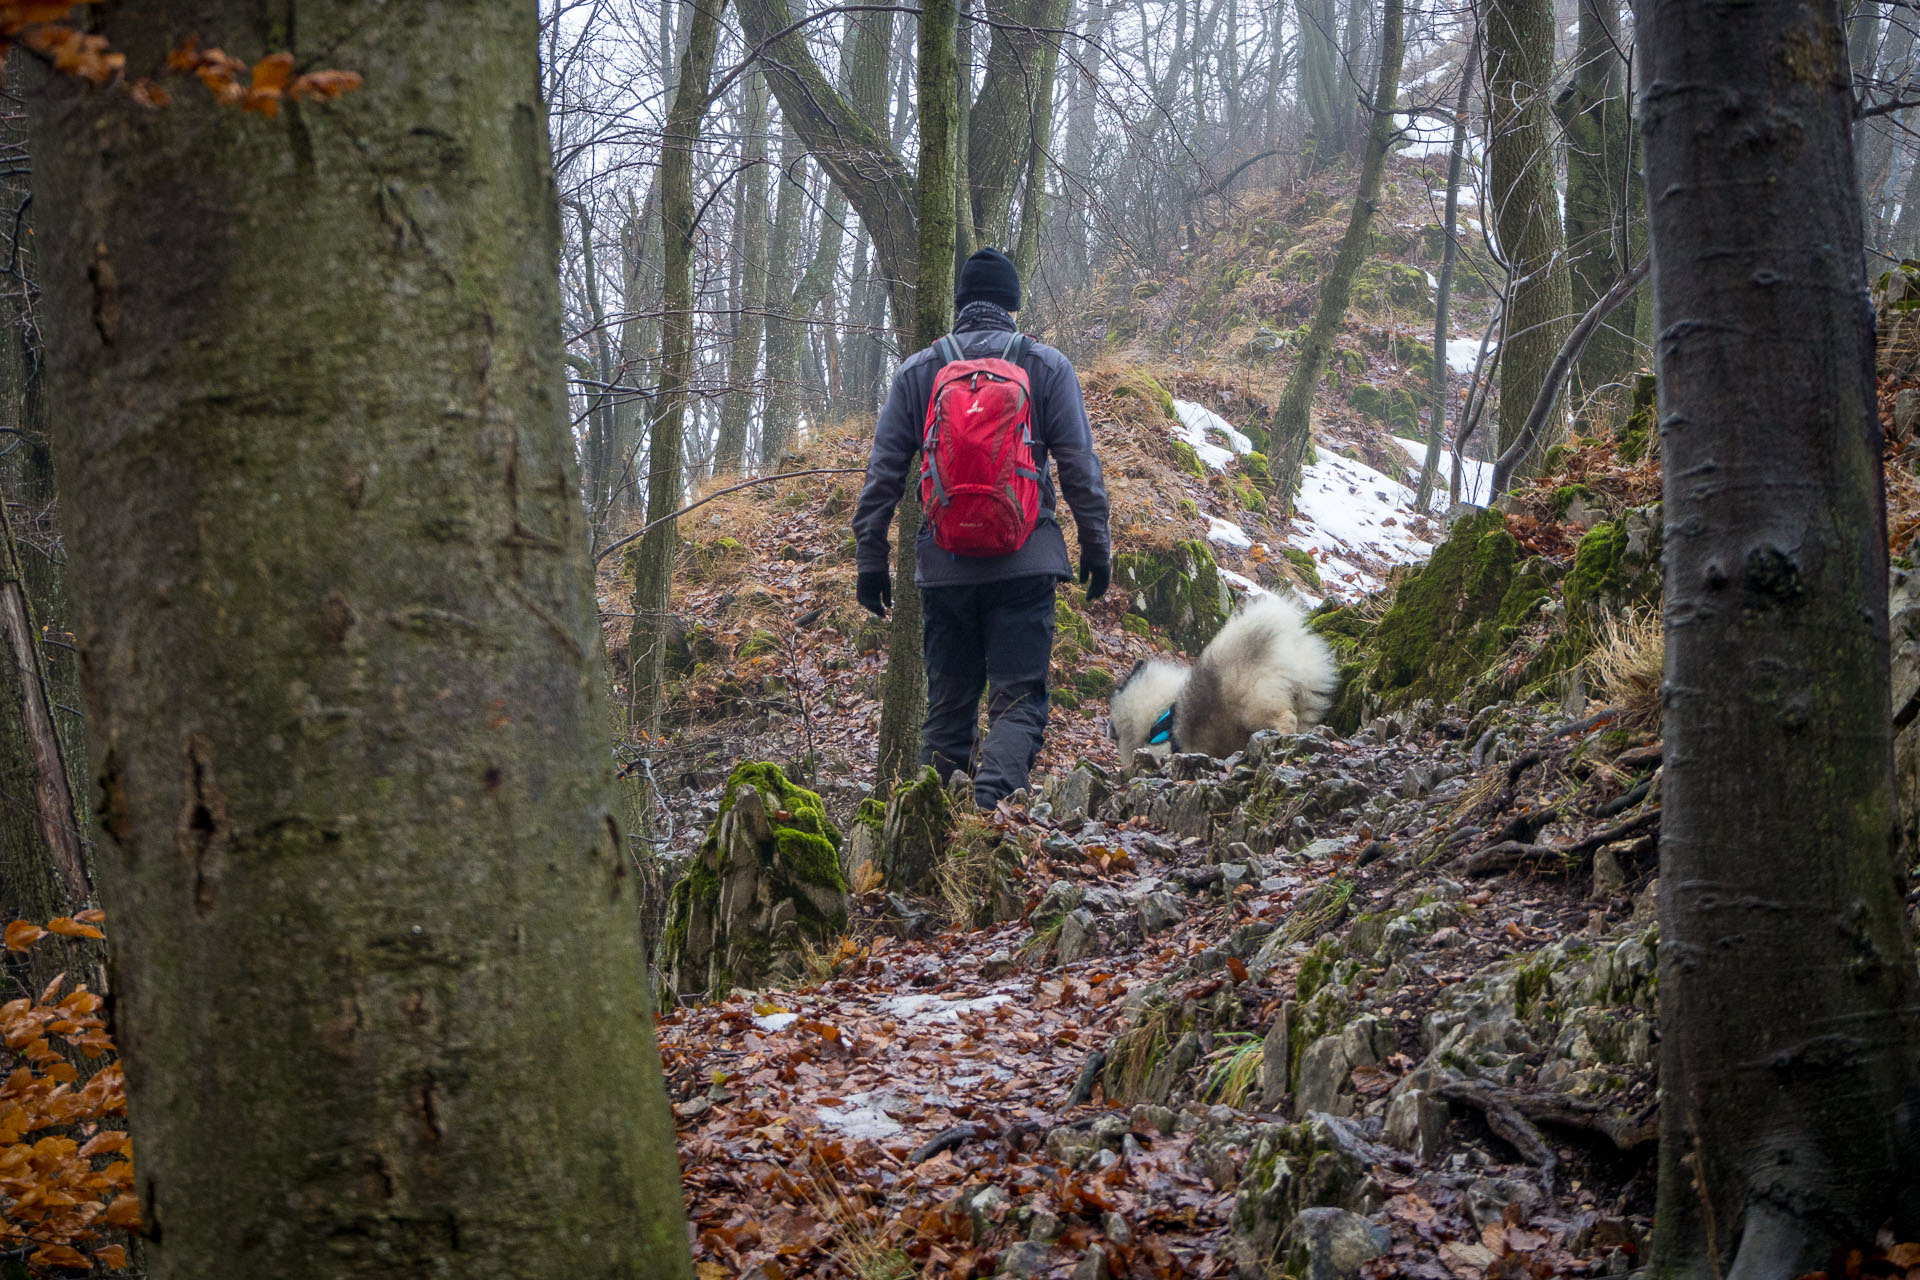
1243	582
933	1008
1462	353
1476	478
858	1119
1433	281
1227	533
775	1021
1195	423
1351	516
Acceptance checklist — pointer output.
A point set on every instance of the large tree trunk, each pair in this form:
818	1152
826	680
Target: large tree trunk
1320	82
1293	419
653	571
904	689
1052	15
380	993
1443	290
1790	1114
1526	212
1599	201
743	362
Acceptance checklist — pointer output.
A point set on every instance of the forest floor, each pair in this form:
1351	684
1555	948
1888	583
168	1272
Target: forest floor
1407	971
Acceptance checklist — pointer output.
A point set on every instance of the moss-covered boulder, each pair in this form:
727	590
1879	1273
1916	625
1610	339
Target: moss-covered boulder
1178	591
1392	405
765	885
916	833
1385	285
1616	568
1451	620
1637	436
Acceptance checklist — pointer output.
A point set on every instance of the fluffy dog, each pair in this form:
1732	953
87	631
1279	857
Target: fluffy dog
1265	670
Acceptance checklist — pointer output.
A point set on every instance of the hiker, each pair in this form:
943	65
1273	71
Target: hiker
990	551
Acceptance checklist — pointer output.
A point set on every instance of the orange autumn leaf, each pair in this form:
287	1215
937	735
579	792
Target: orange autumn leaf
92	915
272	72
113	1255
68	927
61	1255
21	935
124	1213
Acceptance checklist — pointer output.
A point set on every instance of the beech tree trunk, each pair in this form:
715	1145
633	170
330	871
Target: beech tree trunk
1526	212
904	688
743	362
380	993
1790	1041
666	484
1293	419
1443	290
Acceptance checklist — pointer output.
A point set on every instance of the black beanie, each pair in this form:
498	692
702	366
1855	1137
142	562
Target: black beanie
988	276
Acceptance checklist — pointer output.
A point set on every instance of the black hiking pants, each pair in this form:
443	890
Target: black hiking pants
993	636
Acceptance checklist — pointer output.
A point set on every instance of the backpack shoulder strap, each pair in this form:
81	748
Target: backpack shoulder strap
1017	347
948	349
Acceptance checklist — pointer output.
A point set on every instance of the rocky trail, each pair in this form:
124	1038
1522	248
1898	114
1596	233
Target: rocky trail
1383	1003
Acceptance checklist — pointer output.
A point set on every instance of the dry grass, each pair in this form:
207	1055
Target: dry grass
1627	665
867	1248
1233	1072
965	875
1138	1050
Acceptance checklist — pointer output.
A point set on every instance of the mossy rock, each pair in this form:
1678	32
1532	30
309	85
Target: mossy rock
761	644
1072	633
765	885
1385	285
1347	361
1567	494
1256	466
1143	385
1178	591
1443	628
1187	459
1299	264
1392	405
1063	696
1616	567
1147	289
1134	624
1637	436
705	559
1303	560
1094	682
915	833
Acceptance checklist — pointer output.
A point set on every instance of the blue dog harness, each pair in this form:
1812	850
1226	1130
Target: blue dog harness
1162	731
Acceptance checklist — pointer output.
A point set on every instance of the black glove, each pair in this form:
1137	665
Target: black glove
1095	573
874	590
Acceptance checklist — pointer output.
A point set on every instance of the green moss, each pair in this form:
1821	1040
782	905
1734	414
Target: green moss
1394	406
1180	591
1094	682
759	645
1147	289
1348	361
1134	624
1072	633
1564	497
1143	385
1064	697
1255	464
1444	626
1598	565
804	809
1186	459
871	814
1300	265
814	858
1531	587
1636	437
1384	285
1303	560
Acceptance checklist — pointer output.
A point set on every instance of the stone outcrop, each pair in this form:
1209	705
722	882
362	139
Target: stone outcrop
765	885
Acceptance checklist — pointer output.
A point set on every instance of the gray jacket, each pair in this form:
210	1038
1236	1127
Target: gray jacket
1060	432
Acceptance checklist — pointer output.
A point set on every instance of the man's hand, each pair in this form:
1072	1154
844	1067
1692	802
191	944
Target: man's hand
874	590
1095	574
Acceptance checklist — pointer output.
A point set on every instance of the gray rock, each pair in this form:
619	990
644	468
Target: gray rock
1160	910
1061	897
1118	1229
1093	1265
1273	1061
861	851
986	1206
1078	793
1488	1198
1233	875
1045	1227
1190	766
1027	1258
1416	1121
1079	937
1332	1244
1104	899
1320	849
1323	1077
997	965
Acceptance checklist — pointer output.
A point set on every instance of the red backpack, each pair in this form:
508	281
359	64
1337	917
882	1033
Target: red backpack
978	480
